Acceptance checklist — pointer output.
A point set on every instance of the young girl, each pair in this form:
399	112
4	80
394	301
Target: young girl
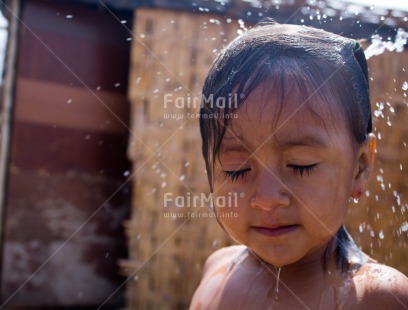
295	146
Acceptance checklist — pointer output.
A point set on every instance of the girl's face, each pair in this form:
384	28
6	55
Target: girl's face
292	178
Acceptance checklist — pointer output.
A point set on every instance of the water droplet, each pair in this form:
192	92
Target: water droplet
278	271
126	173
381	234
69	16
378	46
163	185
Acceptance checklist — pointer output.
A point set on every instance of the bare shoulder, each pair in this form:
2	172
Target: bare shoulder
214	273
379	286
221	257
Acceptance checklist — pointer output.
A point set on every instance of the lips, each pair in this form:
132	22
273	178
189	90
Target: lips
275	231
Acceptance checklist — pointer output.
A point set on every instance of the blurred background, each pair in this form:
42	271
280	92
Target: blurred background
89	148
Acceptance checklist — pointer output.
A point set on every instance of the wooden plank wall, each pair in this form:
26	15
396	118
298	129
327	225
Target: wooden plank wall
68	157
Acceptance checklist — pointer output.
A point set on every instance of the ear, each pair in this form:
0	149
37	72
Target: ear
365	161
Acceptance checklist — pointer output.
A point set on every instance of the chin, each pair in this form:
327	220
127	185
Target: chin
276	259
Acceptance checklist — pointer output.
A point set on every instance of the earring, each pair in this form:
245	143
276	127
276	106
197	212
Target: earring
356	199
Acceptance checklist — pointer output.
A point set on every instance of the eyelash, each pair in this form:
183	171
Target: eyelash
235	174
302	169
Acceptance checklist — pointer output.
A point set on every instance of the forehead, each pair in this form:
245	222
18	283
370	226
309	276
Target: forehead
290	116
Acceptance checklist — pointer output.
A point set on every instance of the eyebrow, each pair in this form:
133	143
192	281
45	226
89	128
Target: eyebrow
305	140
237	145
234	145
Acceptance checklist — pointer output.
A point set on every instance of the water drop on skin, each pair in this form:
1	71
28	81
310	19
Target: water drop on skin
278	271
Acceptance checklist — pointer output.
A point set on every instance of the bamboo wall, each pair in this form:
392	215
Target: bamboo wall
171	54
379	223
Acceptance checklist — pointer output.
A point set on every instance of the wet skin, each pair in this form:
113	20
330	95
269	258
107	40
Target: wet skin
297	173
235	278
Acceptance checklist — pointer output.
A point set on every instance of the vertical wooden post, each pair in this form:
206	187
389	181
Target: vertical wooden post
7	99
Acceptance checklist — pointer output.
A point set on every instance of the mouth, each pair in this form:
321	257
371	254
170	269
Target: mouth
276	231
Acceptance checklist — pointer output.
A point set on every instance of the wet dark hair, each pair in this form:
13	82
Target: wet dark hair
325	68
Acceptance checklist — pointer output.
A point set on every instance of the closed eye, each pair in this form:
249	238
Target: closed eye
235	174
301	169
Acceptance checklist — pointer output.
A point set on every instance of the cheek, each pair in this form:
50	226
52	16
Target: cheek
324	202
230	200
232	218
240	190
232	211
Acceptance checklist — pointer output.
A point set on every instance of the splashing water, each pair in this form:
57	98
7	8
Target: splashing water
378	46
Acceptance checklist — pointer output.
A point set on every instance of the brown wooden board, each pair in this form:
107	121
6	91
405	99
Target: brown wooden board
67	195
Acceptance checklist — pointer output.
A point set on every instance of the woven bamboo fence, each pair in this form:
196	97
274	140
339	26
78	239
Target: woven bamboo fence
379	223
168	244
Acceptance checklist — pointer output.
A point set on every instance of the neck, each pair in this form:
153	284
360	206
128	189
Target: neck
318	262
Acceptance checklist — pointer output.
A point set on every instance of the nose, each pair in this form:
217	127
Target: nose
270	192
